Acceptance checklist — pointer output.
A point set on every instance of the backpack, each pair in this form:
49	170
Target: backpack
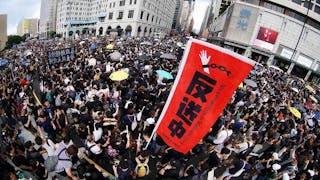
52	161
88	149
142	169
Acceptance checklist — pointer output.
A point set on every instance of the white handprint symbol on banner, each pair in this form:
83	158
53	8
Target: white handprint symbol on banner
205	60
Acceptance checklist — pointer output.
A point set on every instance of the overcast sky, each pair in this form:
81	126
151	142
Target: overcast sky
17	10
198	14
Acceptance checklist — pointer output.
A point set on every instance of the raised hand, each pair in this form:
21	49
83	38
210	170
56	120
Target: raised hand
205	60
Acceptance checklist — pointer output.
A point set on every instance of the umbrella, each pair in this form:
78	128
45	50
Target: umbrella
93	46
168	56
164	74
3	62
118	75
316	115
82	42
28	52
276	68
311	89
143	57
110	46
157	54
115	56
295	112
146	43
313	99
251	83
25	62
180	44
301	108
295	89
309	105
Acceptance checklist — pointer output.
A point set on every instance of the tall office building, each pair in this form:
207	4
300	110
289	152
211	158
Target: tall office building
3	31
284	33
205	20
28	26
221	6
177	14
186	15
48	17
114	17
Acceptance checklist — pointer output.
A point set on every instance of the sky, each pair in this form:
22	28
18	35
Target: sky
198	13
17	10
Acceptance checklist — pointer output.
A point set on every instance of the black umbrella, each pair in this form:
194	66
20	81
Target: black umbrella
143	57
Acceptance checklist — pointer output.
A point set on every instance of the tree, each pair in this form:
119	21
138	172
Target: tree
51	34
13	40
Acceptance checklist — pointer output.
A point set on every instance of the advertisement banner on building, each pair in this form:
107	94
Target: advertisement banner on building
61	55
207	78
266	38
242	21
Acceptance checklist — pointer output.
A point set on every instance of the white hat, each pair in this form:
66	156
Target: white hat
21	94
150	120
275	156
285	176
276	167
311	172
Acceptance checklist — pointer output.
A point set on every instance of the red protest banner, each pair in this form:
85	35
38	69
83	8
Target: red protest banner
207	78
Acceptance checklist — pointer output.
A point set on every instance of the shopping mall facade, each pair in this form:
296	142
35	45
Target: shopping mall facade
283	33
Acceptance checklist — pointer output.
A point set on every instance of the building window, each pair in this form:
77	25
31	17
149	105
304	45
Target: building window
130	14
308	4
110	15
141	15
317	9
122	3
101	19
297	1
255	2
148	16
135	1
152	18
314	24
114	4
296	15
274	7
130	2
120	16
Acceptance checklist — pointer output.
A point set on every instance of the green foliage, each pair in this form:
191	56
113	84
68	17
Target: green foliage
51	34
13	40
193	34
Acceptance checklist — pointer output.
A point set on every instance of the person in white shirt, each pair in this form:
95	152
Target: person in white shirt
93	148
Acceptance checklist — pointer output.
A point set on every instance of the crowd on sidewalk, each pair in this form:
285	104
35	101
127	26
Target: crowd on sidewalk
74	111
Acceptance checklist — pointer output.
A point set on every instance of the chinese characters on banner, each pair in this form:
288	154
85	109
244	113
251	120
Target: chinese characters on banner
61	55
205	83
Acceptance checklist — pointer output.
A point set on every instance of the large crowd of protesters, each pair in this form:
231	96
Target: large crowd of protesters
74	114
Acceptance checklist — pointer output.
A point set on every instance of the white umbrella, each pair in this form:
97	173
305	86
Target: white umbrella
28	52
82	42
275	68
92	62
168	56
115	56
251	83
295	89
